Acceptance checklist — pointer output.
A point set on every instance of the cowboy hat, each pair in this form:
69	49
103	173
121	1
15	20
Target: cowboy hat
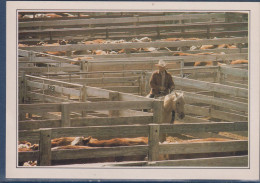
161	63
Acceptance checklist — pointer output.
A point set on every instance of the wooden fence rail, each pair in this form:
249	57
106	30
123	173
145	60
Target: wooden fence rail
32	55
198	98
139	27
50	32
121	20
67	108
229	161
233	161
76	90
234	71
84	121
230	146
224	89
211	112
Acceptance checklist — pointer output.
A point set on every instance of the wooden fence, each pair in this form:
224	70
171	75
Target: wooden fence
66	108
220	108
122	20
159	26
33	88
45	155
73	89
64	88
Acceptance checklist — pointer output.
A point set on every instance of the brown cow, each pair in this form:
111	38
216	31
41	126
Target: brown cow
131	50
227	46
206	47
89	141
206	63
182	54
53	15
56	53
239	62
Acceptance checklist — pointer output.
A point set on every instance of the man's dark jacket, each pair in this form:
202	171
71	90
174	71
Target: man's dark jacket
156	83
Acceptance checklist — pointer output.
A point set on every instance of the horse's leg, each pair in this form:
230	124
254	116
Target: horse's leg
173	117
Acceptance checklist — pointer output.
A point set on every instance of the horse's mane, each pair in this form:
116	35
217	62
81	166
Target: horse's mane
169	99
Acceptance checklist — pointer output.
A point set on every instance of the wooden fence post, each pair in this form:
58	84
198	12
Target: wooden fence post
45	147
158	32
22	95
158	116
147	76
208	32
157	111
153	142
83	98
228	19
31	56
220	76
182	67
107	34
24	88
65	114
82	68
20	89
113	96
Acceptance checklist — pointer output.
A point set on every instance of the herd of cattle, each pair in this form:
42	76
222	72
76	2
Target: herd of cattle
49	15
178	51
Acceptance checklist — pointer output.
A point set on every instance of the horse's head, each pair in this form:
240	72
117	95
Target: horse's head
175	102
179	105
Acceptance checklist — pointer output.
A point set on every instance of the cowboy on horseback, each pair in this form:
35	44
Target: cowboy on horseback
161	83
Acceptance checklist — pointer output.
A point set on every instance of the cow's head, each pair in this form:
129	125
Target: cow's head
81	141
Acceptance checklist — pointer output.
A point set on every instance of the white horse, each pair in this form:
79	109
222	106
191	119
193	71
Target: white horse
173	103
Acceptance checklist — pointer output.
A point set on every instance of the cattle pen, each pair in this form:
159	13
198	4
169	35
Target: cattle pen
88	75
